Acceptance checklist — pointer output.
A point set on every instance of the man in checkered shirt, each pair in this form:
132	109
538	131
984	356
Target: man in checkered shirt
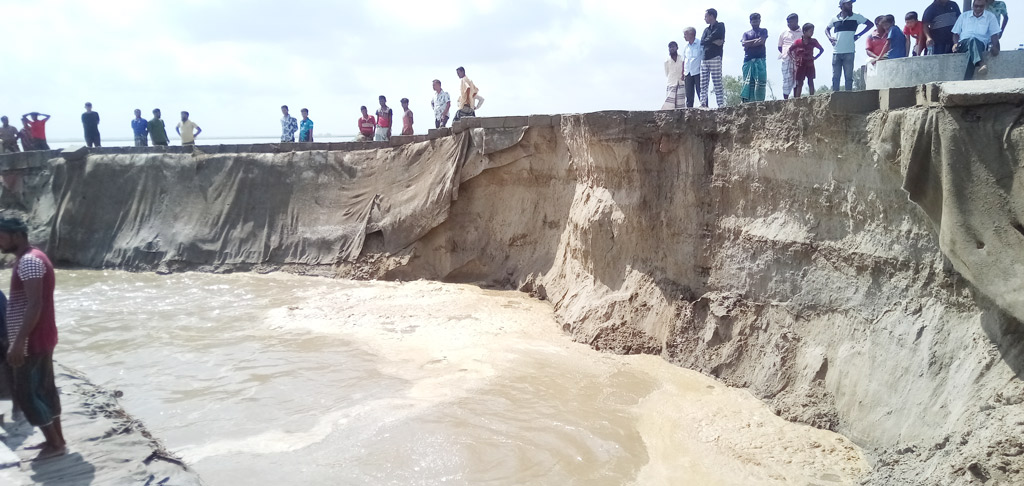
32	335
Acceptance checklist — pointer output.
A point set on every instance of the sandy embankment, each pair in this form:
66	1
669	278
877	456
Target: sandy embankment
106	445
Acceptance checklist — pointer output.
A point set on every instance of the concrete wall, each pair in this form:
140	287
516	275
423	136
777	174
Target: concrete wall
914	71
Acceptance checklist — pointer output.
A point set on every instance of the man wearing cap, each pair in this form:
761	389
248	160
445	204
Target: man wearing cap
845	42
32	335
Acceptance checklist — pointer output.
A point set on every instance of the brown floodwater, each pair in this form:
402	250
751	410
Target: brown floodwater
279	379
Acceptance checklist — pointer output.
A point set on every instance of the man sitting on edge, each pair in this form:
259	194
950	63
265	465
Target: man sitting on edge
974	32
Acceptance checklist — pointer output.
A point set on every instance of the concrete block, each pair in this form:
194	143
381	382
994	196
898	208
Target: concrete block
438	132
540	121
459	126
923	95
398	140
516	121
75	152
470	122
492	122
853	102
978	92
895	98
420	138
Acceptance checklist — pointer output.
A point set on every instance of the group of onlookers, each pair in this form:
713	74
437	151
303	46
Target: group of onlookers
943	29
377	127
33	134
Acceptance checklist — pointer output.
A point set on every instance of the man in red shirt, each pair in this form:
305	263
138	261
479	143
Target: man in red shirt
32	335
913	29
38	128
367	124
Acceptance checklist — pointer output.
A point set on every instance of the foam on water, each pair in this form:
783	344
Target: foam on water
280	379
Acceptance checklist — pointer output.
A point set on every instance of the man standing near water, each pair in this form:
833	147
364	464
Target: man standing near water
157	130
91	126
188	130
32	334
140	127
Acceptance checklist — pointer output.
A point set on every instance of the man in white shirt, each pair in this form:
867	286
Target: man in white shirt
674	99
441	104
786	40
693	53
973	33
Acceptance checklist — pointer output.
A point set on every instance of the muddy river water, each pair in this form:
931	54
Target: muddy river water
279	379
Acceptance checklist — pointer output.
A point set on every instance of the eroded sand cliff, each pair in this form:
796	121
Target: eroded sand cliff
773	246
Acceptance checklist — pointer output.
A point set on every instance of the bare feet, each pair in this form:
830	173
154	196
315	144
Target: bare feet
50	452
983	69
41	445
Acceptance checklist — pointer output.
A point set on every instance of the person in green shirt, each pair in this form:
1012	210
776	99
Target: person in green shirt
998	8
157	131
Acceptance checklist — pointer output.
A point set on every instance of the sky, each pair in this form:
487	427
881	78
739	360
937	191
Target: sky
232	64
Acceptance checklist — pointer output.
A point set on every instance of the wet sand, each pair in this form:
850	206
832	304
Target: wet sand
106	445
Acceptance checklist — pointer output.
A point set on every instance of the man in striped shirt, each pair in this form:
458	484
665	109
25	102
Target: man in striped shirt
32	335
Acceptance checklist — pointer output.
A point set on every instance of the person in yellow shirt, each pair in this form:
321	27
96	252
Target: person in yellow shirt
188	130
467	95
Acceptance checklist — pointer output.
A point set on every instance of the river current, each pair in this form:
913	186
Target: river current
280	379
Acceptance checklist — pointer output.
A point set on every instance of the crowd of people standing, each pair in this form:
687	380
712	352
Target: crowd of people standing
377	127
943	29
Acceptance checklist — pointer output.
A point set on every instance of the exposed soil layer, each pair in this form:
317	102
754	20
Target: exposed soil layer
772	246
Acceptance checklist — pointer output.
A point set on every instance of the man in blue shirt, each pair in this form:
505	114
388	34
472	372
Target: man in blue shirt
755	67
973	32
141	128
306	127
895	40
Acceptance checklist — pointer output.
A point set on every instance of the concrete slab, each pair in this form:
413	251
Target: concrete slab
972	93
73	153
516	121
492	122
914	71
853	102
895	98
470	122
458	127
540	121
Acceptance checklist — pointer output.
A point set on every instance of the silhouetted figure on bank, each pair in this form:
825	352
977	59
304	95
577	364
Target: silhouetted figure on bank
91	126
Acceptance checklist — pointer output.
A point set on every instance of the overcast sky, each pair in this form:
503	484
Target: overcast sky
232	64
